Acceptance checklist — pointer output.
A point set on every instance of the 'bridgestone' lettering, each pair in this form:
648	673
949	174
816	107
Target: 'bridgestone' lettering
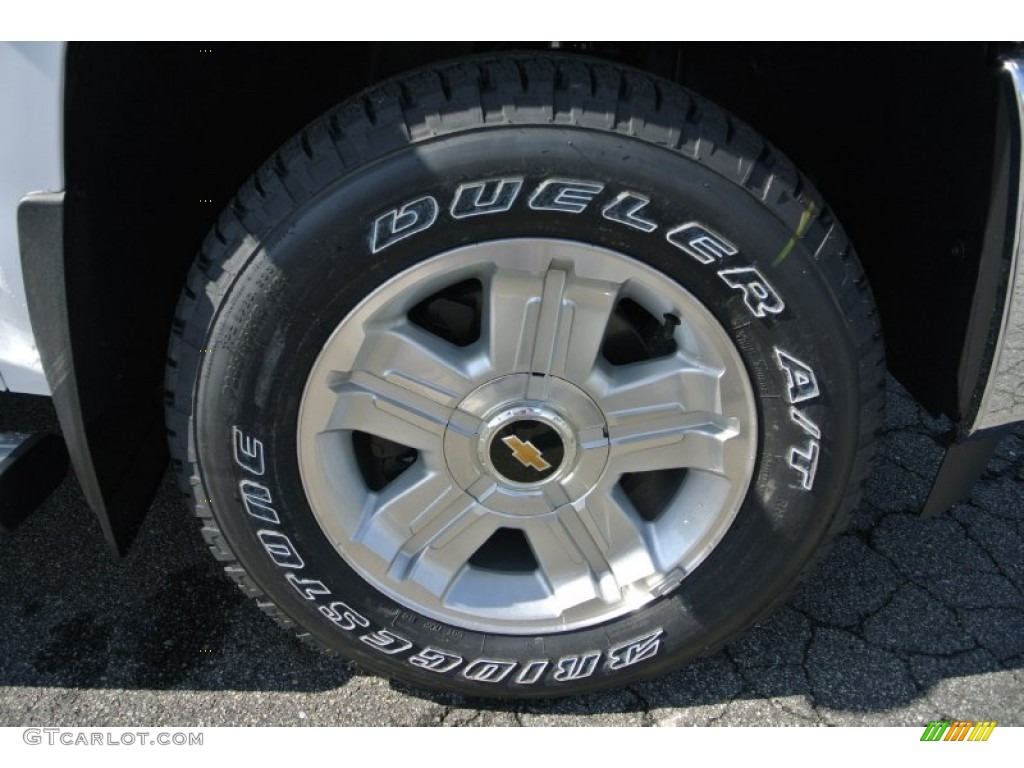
257	501
280	549
435	660
488	670
576	667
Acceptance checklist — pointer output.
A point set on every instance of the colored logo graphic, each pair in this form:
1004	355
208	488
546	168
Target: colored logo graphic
526	453
958	730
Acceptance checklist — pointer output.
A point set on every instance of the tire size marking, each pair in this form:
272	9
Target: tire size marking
490	196
433	626
801	387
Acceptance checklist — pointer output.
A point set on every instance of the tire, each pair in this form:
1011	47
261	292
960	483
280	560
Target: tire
524	376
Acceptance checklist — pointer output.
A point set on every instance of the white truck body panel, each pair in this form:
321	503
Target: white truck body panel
31	159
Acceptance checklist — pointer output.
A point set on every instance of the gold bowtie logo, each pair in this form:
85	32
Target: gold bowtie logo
526	453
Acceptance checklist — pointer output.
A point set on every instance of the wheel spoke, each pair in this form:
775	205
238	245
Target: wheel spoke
402	508
591	550
437	552
511	316
368	403
552	324
632	389
592	303
564	564
671	439
617	533
417	360
424	527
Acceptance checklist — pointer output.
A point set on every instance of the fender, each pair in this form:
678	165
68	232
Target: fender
114	435
989	378
31	106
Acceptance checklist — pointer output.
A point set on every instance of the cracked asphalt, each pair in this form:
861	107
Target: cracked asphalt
907	621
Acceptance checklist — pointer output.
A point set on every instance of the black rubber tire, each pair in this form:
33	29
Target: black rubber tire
292	255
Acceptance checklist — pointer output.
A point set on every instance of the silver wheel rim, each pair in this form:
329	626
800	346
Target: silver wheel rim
536	368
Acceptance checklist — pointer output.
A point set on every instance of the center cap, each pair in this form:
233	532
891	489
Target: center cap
521	456
526	451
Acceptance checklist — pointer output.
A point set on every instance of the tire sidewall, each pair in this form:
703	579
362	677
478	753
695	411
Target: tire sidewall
319	263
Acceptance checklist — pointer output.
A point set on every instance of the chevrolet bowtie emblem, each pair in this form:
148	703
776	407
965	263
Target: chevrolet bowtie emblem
526	453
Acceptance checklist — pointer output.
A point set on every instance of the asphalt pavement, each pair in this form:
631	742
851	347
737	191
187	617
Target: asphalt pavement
909	620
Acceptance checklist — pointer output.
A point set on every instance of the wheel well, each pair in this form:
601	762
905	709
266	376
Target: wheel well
901	142
158	137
